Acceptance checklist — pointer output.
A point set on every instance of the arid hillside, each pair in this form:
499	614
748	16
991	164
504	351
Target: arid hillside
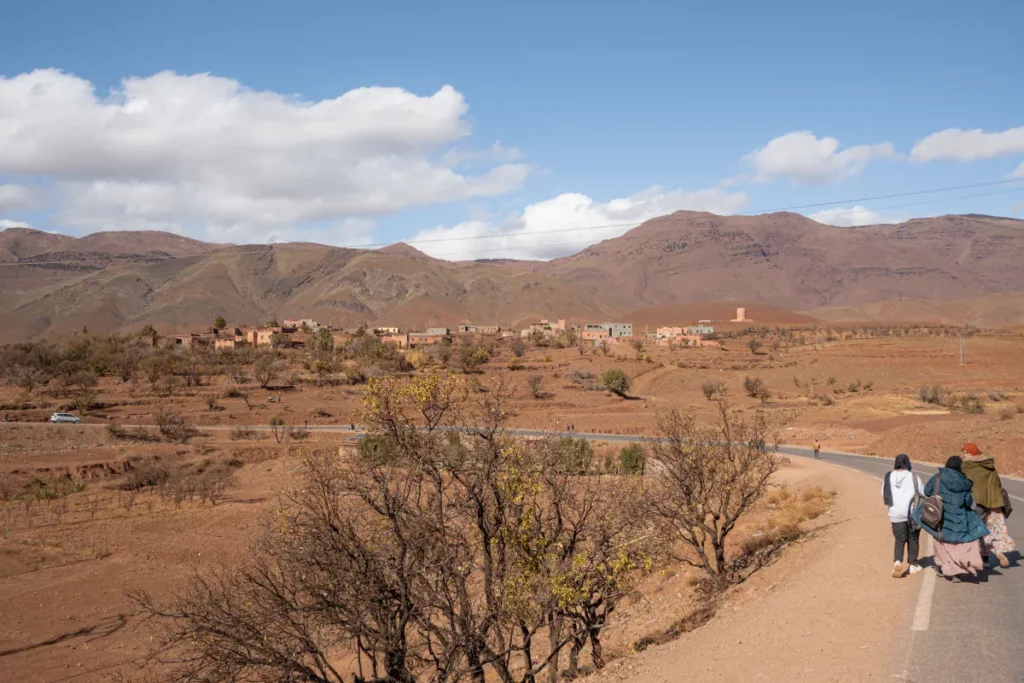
791	261
950	269
255	283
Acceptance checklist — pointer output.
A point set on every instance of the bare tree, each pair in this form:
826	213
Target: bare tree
278	427
710	475
267	369
450	559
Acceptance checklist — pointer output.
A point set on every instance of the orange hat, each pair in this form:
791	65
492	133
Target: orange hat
972	449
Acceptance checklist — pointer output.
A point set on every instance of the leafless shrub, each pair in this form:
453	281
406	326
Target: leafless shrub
278	427
174	427
711	476
126	500
145	473
396	559
93	503
713	390
756	388
59	508
297	433
245	433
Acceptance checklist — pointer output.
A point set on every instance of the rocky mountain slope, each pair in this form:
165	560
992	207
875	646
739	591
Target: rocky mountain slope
119	281
790	261
247	284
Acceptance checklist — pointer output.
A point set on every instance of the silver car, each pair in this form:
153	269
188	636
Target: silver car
65	417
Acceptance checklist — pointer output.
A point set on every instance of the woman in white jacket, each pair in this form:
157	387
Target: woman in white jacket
898	490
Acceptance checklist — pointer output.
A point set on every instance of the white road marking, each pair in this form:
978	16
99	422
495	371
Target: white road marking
923	610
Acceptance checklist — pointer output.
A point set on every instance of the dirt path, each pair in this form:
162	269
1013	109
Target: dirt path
828	611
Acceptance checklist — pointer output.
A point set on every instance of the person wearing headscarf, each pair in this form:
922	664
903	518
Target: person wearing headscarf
987	490
898	490
958	542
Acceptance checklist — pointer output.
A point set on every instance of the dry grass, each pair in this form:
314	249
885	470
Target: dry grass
788	511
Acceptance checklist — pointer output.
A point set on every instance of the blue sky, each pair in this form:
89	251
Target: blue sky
587	103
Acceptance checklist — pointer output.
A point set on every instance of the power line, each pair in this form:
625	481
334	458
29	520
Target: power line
838	213
747	213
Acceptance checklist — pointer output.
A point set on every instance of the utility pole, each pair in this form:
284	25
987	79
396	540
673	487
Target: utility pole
963	349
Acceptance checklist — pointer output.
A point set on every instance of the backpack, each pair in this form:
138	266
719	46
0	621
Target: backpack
915	501
1007	505
931	508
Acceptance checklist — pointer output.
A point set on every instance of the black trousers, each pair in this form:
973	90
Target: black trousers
905	536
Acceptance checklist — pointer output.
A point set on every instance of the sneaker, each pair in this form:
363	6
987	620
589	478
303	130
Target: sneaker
915	568
955	579
1003	561
898	569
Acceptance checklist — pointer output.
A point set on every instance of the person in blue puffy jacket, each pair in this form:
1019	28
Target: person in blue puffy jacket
958	543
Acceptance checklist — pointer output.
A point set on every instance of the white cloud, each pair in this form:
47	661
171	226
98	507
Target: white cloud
566	224
969	145
205	154
6	223
17	197
854	216
804	159
1019	173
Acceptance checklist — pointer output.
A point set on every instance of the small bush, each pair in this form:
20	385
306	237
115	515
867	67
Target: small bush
146	473
969	403
321	412
535	383
712	390
934	395
174	427
297	433
632	459
571	456
997	396
245	433
615	381
756	388
1008	413
824	399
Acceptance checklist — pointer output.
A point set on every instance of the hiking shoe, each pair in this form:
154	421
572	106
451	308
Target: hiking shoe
915	568
898	570
955	579
1003	561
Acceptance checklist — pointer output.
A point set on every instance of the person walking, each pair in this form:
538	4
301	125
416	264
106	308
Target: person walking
898	490
958	541
987	490
817	449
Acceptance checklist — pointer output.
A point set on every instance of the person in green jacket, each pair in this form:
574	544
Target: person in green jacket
957	543
987	490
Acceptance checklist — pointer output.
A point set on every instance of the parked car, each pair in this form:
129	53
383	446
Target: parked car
65	417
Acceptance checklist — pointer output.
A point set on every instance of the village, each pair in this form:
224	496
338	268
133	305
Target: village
297	333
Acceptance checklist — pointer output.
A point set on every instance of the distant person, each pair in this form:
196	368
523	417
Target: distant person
987	490
958	542
898	490
817	449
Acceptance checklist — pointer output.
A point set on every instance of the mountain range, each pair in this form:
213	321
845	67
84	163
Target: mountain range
956	268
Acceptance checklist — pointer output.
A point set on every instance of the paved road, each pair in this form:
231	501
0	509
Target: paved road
970	631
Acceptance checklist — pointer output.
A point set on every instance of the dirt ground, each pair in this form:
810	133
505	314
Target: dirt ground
66	616
871	385
64	583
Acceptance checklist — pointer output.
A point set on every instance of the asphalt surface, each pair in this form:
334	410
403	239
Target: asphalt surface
971	631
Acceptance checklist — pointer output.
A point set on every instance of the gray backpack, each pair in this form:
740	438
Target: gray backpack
931	508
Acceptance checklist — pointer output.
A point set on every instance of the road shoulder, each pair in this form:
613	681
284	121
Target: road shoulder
829	610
